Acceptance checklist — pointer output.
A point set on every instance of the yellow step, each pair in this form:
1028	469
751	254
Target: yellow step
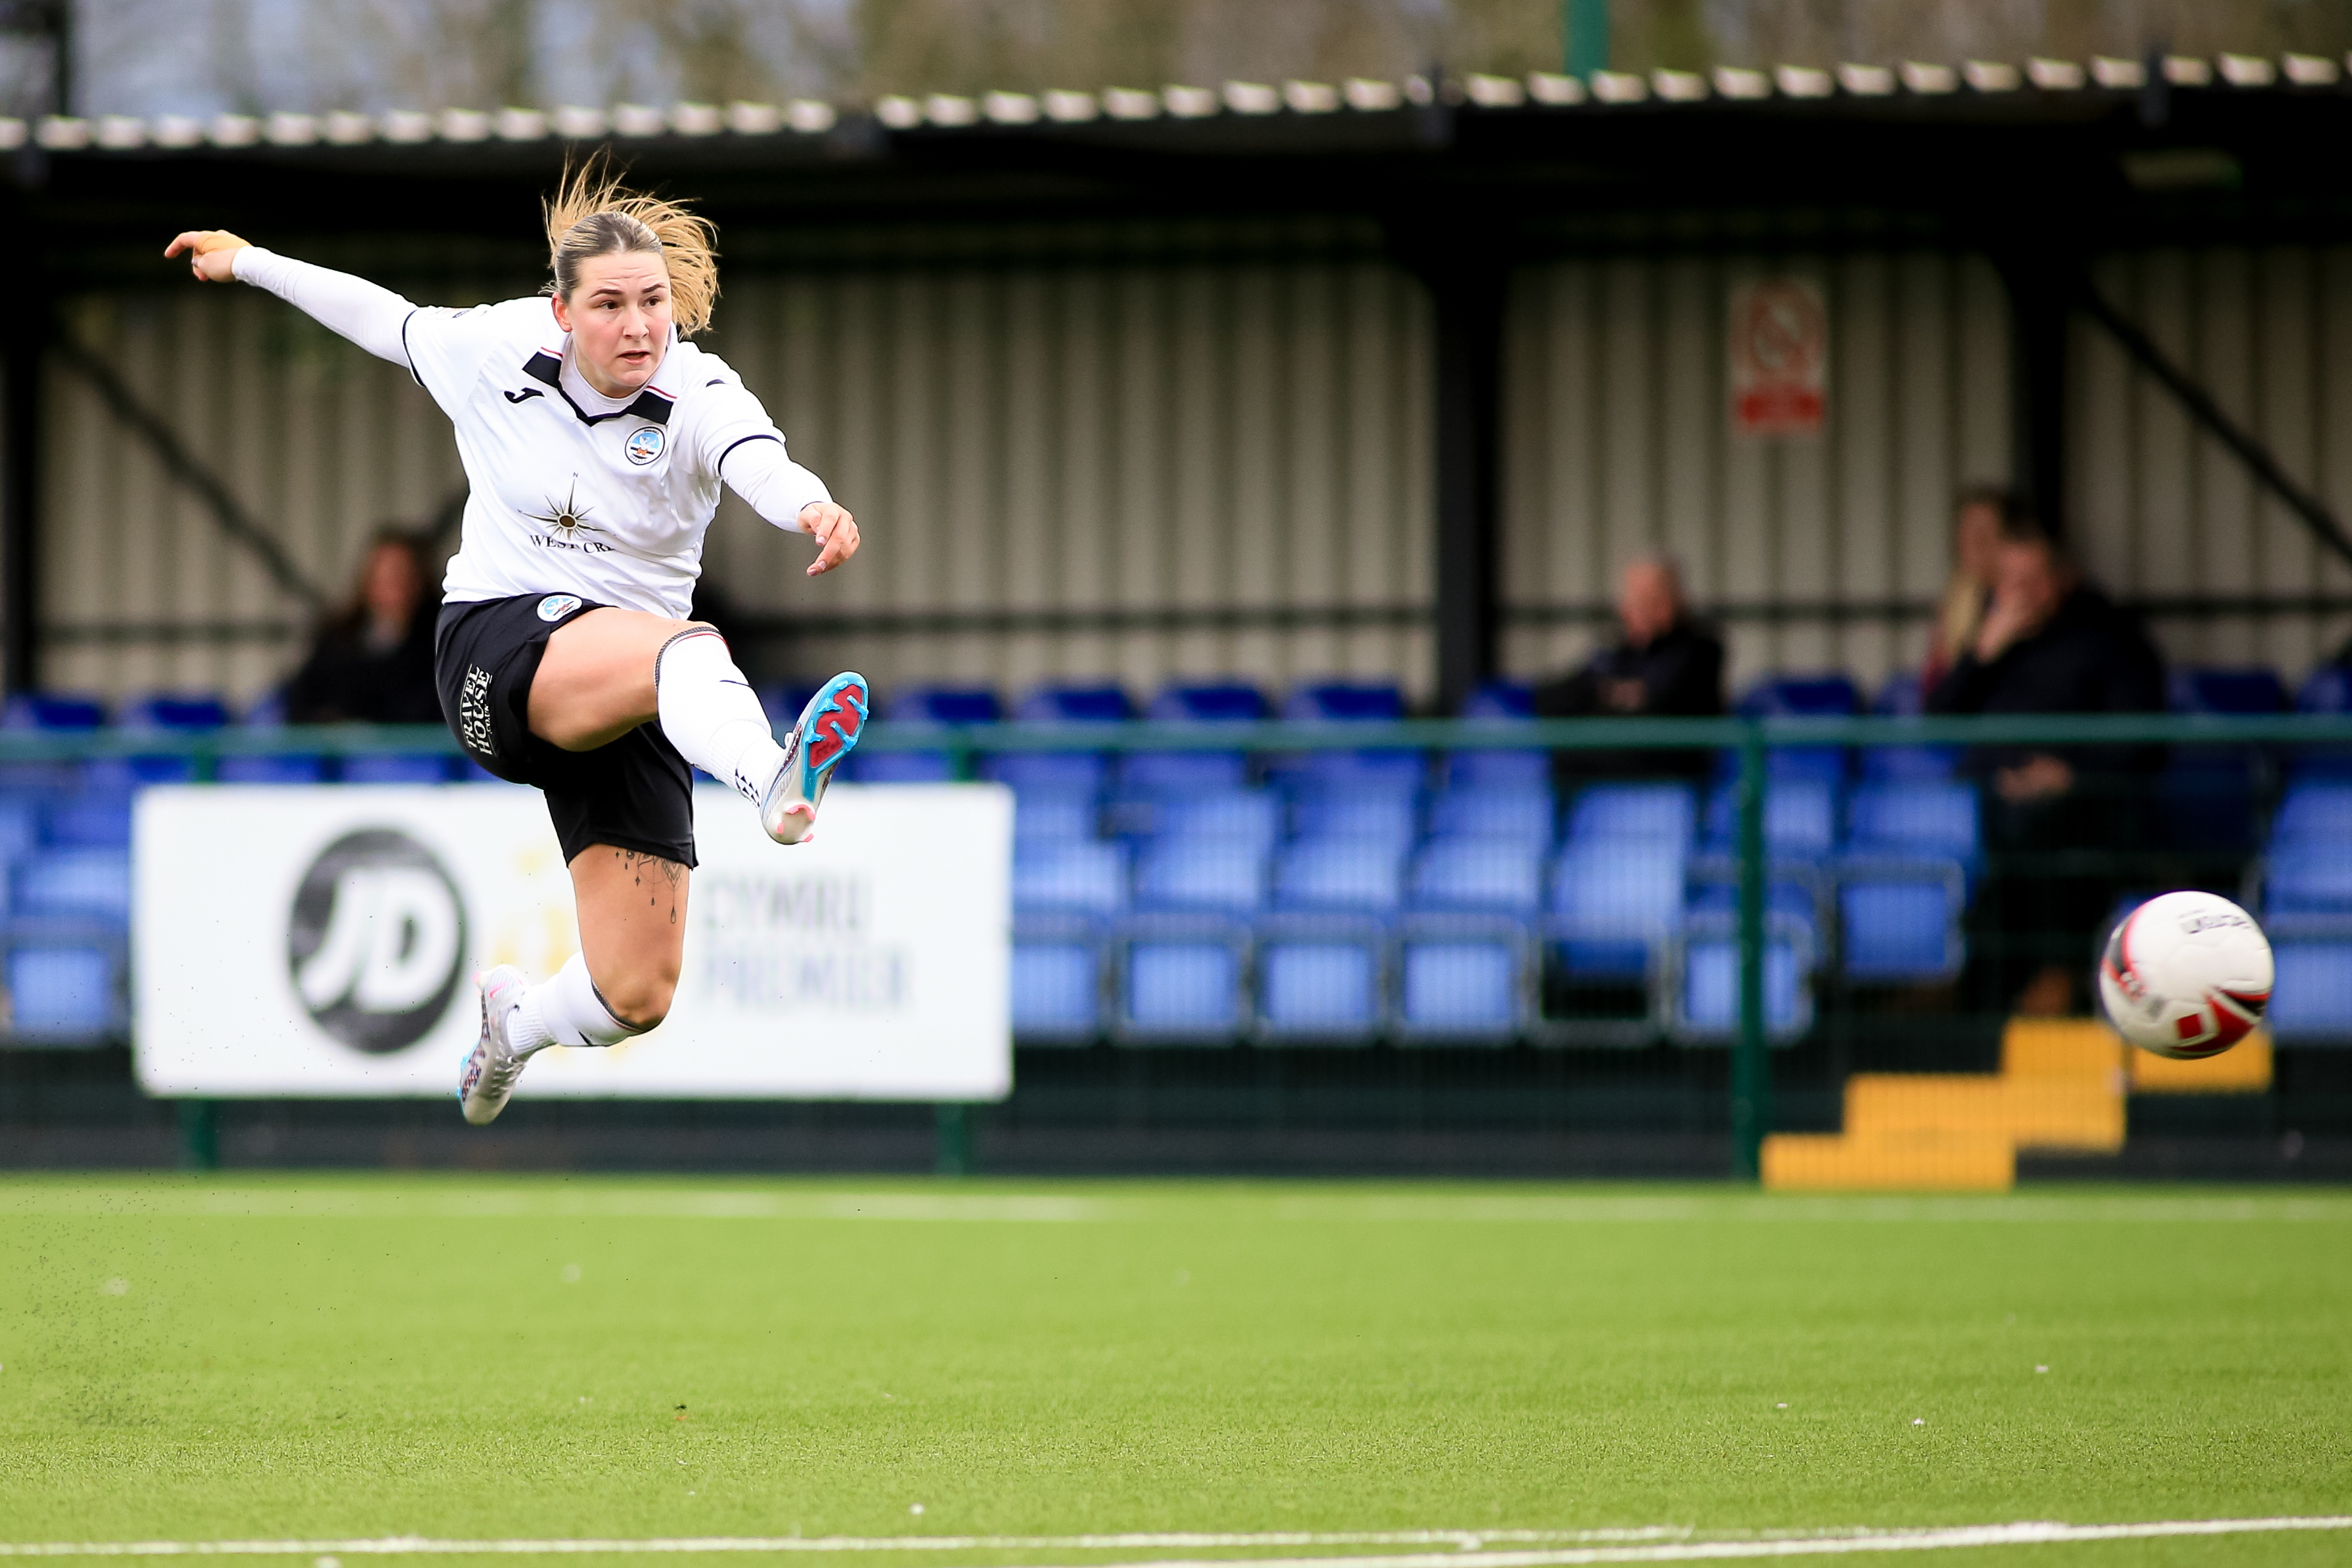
2061	1048
2074	1113
2243	1068
1845	1162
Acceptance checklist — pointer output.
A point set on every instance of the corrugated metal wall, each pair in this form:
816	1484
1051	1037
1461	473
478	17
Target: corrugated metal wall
1141	470
1617	443
1019	445
2160	509
1040	443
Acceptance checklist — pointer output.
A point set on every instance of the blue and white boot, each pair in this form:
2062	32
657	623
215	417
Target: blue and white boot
825	731
491	1068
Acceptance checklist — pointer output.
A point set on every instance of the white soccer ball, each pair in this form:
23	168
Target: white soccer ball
2185	976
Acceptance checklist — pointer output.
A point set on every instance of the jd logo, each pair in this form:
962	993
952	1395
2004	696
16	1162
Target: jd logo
376	939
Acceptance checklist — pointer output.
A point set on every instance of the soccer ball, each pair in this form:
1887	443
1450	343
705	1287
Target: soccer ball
2185	976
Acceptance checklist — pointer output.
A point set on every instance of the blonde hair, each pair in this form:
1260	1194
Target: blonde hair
593	215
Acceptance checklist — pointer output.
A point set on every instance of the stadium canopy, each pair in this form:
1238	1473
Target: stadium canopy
2039	166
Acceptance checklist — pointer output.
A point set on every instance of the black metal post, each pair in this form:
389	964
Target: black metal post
2041	290
21	360
1468	298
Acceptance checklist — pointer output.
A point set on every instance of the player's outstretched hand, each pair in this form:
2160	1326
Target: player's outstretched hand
210	252
833	528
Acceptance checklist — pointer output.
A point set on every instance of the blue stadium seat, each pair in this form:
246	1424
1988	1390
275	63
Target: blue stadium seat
1707	988
1318	984
87	820
2328	689
1615	905
1522	813
1226	875
1464	959
1799	818
1495	875
1322	950
1514	768
2313	877
2313	812
1181	983
1054	815
1056	986
91	882
296	768
20	827
2205	795
395	767
1064	894
1899	921
913	707
2310	995
1066	770
1340	702
1663	813
1901	697
1467	988
1247	816
1800	696
1063	877
1923	817
1339	874
1385	817
62	991
52	713
1152	773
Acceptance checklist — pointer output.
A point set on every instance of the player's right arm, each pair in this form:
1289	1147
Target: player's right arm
368	315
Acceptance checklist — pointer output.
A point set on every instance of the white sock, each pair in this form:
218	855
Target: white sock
708	711
565	1009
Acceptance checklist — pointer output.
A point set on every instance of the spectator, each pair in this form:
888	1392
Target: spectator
1664	663
1979	515
2050	642
372	661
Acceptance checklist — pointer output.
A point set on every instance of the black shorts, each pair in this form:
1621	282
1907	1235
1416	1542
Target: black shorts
635	793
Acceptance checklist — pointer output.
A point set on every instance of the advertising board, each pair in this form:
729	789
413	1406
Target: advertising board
322	941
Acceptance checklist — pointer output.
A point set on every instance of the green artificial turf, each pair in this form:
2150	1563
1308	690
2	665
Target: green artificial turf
492	1356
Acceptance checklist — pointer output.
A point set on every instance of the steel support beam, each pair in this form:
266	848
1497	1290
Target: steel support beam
2041	290
21	362
1468	300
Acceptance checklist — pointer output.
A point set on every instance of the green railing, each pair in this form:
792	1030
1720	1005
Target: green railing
1750	739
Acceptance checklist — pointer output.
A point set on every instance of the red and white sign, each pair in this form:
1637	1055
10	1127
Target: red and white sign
1779	357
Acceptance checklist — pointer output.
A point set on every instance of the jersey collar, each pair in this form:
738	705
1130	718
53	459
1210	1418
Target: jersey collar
652	403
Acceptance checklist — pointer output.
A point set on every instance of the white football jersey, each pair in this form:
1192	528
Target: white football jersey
573	492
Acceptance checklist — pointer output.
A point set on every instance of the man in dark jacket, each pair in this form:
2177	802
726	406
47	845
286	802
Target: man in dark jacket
1664	664
2050	642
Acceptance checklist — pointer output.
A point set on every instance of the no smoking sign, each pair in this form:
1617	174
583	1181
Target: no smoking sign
1780	343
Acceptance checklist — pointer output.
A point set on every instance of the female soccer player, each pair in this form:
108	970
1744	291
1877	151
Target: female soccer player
594	439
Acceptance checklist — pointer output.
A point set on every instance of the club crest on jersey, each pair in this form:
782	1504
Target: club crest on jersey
645	445
556	606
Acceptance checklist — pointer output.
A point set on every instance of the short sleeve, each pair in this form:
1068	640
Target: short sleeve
726	414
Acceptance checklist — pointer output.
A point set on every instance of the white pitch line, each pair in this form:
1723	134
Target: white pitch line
1622	1550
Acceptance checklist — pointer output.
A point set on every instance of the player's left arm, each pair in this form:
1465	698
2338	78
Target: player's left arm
744	447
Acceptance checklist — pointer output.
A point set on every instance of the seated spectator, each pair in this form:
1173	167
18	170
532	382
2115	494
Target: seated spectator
371	662
1978	516
2050	642
1664	664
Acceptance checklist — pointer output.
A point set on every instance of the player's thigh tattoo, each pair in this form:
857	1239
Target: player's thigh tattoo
660	880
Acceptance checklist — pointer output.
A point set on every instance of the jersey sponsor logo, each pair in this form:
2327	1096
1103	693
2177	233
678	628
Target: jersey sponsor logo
376	940
523	396
566	521
645	445
556	606
474	731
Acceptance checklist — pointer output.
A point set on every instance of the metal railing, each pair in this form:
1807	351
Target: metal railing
1751	740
